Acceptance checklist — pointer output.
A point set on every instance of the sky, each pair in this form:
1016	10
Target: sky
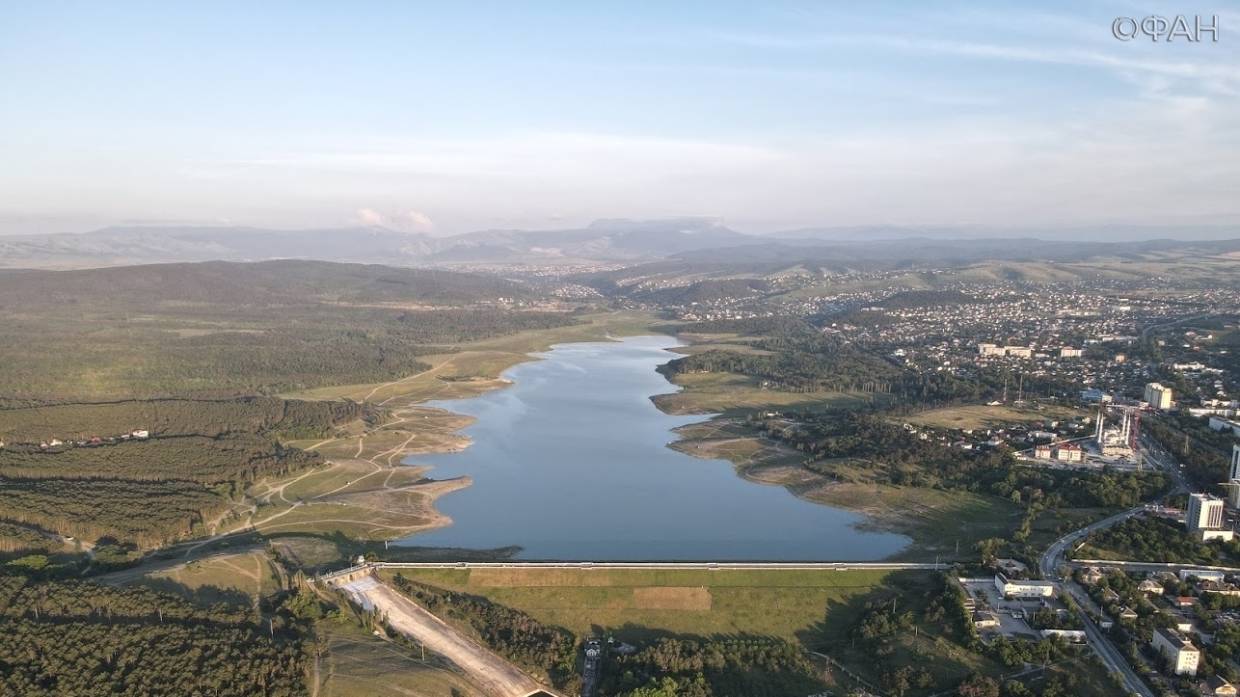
450	117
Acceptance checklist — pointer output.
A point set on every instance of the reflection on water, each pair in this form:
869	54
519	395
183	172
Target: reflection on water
571	463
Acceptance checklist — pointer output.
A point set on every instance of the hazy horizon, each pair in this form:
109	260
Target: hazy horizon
859	233
446	120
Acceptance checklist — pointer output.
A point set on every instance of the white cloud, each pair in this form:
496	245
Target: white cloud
369	216
404	221
419	221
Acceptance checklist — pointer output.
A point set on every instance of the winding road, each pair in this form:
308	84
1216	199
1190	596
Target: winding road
1055	559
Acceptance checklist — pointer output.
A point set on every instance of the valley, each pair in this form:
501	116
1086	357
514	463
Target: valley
813	436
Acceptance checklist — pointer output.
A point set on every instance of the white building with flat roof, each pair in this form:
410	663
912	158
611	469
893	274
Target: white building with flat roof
1023	589
1205	512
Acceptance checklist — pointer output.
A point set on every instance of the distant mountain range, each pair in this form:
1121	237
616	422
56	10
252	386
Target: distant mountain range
687	239
604	240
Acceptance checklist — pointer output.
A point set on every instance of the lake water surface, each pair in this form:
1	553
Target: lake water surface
571	463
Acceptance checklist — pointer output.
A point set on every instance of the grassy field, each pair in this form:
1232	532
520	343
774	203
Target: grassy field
242	577
699	342
818	609
356	663
640	604
977	416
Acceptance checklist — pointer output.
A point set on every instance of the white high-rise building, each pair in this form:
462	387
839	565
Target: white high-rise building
1235	462
1158	396
1205	512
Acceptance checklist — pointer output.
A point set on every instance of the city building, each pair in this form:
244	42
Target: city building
1042	452
1158	396
1205	512
1233	493
1181	655
1023	589
1214	686
983	619
1233	479
1072	636
1066	352
1018	351
1070	453
1222	423
1094	394
1150	586
1202	575
1205	518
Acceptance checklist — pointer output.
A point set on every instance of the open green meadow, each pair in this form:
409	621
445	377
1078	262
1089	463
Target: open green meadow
641	604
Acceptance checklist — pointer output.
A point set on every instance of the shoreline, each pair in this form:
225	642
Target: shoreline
503	382
798	484
407	405
866	521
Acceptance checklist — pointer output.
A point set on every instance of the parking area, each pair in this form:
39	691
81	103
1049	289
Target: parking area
1013	615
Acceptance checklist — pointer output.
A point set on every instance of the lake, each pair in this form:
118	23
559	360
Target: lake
571	463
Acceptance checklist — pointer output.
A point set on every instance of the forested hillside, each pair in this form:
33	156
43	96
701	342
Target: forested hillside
32	422
64	638
287	282
224	329
798	358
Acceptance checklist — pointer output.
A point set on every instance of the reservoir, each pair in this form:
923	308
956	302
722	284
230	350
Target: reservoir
571	463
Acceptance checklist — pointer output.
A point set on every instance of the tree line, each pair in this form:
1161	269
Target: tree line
66	638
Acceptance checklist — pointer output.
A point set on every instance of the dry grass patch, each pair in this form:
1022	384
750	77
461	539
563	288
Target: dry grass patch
976	416
672	598
641	603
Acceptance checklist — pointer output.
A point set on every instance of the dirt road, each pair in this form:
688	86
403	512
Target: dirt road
492	674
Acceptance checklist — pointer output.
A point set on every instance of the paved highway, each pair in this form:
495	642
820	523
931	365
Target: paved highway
1148	566
1055	558
1050	563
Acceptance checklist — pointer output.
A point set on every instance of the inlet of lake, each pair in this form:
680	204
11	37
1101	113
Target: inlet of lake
571	463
